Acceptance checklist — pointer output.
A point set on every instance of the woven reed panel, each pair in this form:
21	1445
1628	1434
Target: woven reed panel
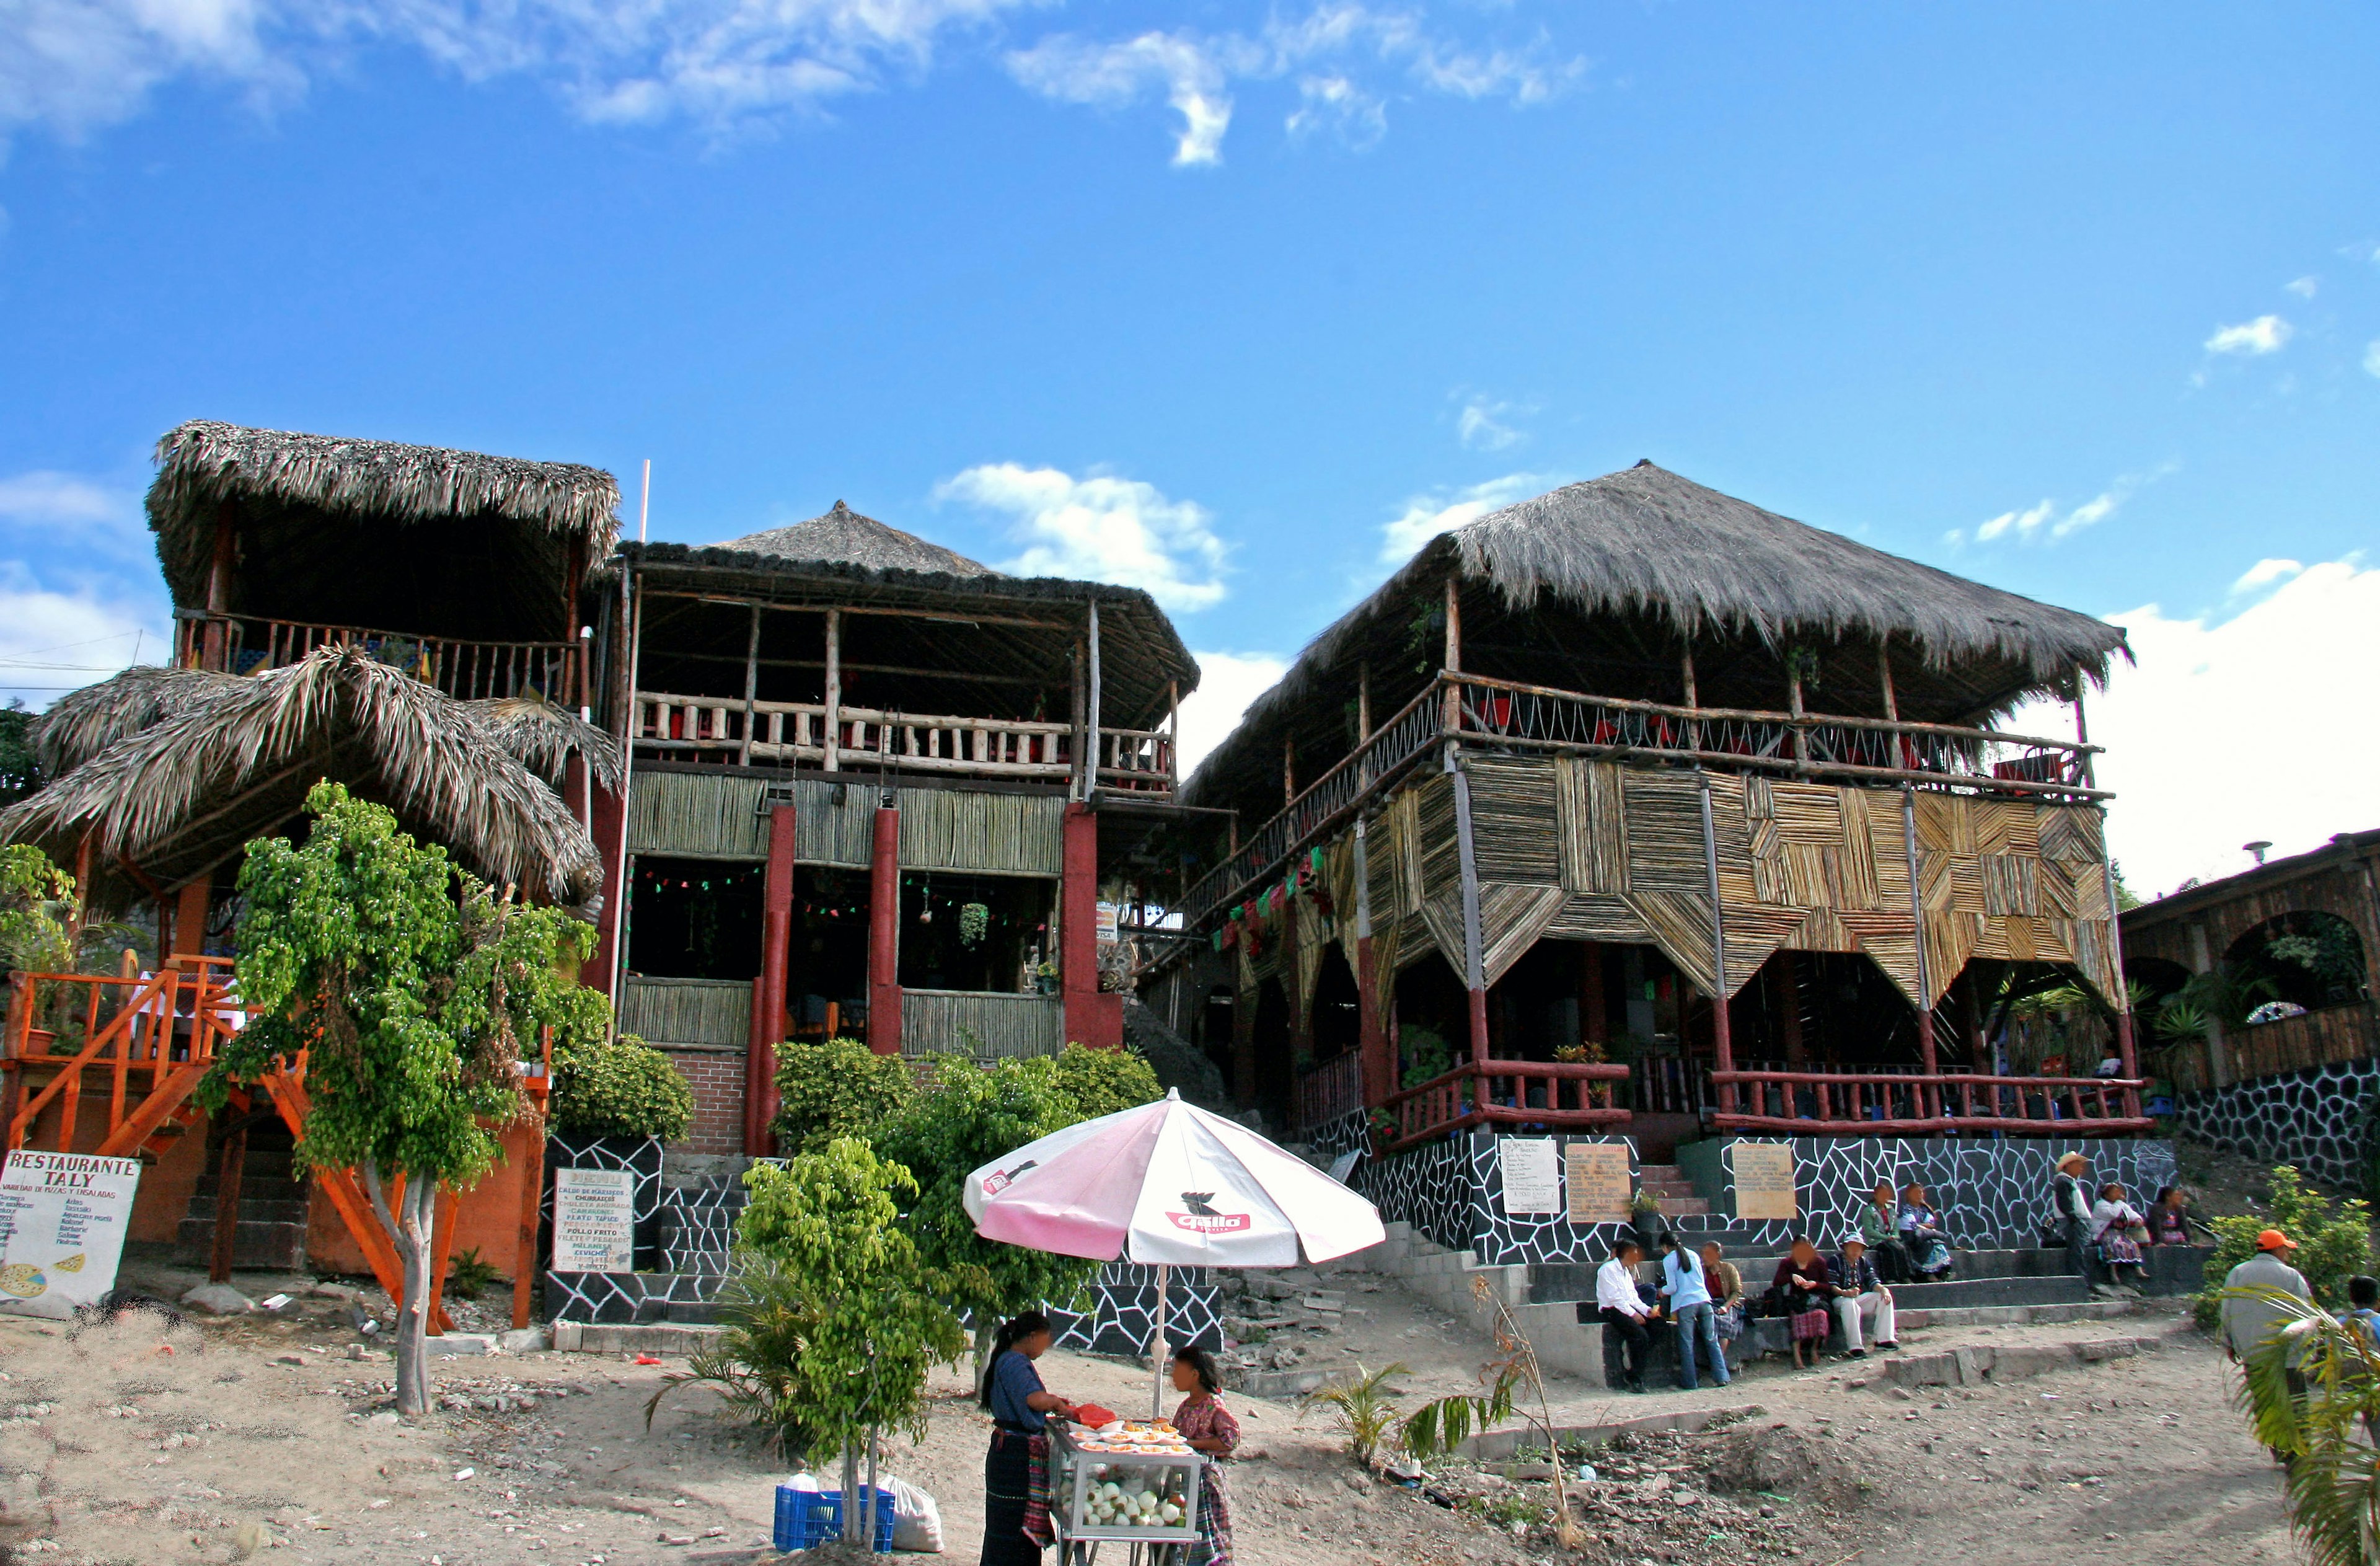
1515	825
1585	917
2070	834
693	816
2007	826
686	1011
1950	940
1312	938
1731	840
1680	924
1665	833
1890	941
1857	884
1413	941
1440	853
1591	816
1512	917
1404	817
944	1021
1441	913
829	833
960	830
1807	812
2011	884
1754	934
1386	941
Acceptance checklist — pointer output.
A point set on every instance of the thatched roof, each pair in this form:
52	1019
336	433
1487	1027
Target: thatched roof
843	536
233	761
340	531
1599	586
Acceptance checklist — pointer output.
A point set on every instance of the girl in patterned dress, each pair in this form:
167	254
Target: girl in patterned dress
1207	1426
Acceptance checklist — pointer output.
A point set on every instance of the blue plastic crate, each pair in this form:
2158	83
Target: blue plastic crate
808	1518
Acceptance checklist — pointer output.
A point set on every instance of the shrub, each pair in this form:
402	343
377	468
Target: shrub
1103	1082
620	1087
836	1087
1362	1409
2334	1244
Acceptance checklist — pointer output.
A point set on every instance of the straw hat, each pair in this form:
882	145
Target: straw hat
2072	1158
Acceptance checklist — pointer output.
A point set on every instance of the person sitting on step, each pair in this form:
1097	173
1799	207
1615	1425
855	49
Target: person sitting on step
2170	1218
1922	1234
2117	1230
1860	1297
1803	1289
1880	1228
1726	1285
1628	1321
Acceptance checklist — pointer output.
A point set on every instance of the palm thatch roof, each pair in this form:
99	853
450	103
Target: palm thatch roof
174	795
844	536
339	531
1600	586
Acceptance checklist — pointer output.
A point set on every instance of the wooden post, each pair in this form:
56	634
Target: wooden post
1453	665
1687	672
1288	768
633	625
833	689
1883	672
1474	971
751	686
190	918
231	1156
1080	787
1793	695
769	986
216	650
1722	1034
526	1259
1925	1057
1091	706
1173	731
884	935
82	895
2218	1050
1378	1066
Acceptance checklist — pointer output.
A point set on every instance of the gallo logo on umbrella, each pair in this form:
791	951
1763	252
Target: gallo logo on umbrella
1001	1178
1202	1219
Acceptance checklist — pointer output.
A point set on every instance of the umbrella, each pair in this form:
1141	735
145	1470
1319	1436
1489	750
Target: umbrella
1169	1185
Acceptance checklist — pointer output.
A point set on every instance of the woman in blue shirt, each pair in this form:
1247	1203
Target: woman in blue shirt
1017	1470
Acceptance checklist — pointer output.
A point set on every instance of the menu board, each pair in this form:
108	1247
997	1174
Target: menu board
1764	1180
594	1221
63	1218
1600	1181
1532	1174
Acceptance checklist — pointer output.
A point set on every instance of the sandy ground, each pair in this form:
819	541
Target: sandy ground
224	1439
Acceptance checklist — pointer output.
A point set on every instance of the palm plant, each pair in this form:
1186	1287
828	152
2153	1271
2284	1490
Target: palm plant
1361	1409
2322	1424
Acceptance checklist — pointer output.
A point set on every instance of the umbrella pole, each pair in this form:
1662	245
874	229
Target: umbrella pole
1157	1353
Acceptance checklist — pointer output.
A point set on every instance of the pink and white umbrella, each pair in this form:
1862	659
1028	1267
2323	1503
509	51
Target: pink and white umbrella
1169	1185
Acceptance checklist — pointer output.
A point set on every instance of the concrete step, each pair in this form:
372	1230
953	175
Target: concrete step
265	1246
2015	1316
1684	1206
2006	1291
655	1338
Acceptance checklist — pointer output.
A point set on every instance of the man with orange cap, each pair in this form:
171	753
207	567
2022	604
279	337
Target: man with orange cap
2248	1321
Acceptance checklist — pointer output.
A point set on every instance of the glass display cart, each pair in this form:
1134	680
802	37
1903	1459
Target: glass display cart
1133	1483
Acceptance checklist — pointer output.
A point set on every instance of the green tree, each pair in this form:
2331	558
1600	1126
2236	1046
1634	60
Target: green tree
832	1317
413	990
619	1087
2334	1244
35	897
20	770
836	1087
2323	1423
1101	1082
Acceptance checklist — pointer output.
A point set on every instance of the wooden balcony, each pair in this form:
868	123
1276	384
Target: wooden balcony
1330	1091
859	738
468	671
1823	1103
1501	715
1550	1096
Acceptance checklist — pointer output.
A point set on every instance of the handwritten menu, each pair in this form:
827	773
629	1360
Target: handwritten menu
1764	1180
1532	1174
1600	1181
594	1221
63	1218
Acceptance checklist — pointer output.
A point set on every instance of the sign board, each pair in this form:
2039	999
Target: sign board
1764	1180
1532	1174
1600	1181
63	1218
1344	1164
594	1221
1108	915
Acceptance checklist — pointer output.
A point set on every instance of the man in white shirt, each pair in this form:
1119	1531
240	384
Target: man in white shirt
1627	1320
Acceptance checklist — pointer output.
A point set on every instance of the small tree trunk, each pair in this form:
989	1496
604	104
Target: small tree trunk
850	1494
413	1229
985	1334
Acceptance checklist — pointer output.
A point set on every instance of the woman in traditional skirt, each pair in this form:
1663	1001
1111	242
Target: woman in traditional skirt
1017	1470
2117	1226
1207	1426
1803	1288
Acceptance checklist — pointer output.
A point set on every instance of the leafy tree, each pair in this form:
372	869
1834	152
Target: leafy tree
619	1087
2334	1244
1101	1082
836	1087
2322	1424
34	899
20	773
833	1319
412	988
968	1117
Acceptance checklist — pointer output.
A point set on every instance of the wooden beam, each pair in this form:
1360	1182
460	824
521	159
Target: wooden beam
231	1158
1722	1034
1925	1059
1092	712
1475	972
526	1257
834	687
1883	672
751	687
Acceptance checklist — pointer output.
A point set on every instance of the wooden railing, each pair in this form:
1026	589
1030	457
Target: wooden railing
1504	715
1330	1091
2330	1036
785	731
1558	1095
1893	1104
145	1042
467	670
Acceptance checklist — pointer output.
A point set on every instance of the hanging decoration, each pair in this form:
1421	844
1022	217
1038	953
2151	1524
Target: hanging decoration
974	919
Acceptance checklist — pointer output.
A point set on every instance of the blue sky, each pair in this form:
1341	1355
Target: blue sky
1236	302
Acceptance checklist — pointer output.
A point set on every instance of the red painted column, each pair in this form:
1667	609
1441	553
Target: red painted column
768	989
1379	1061
1091	1018
596	972
884	935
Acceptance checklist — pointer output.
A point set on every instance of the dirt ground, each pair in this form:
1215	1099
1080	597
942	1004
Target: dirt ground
222	1438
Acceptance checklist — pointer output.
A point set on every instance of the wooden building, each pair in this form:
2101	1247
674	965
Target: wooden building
1594	759
872	788
2299	937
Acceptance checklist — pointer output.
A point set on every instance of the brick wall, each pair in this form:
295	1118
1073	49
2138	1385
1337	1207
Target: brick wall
716	1078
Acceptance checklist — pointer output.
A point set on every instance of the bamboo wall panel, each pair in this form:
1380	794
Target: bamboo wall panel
948	1022
1665	833
1441	912
687	1011
1512	917
949	829
1313	941
829	833
691	817
1516	826
1441	854
1680	924
1591	917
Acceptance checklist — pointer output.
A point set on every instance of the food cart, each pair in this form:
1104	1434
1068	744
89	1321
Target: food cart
1133	1483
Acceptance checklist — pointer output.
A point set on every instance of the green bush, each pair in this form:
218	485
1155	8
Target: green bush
1103	1082
836	1087
2334	1243
619	1087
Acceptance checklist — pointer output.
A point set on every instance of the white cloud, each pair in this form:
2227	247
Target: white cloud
2200	738
2304	288
1101	529
49	497
2266	334
1428	516
2264	574
1481	426
2372	358
2036	521
1327	50
2022	523
1227	682
51	641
